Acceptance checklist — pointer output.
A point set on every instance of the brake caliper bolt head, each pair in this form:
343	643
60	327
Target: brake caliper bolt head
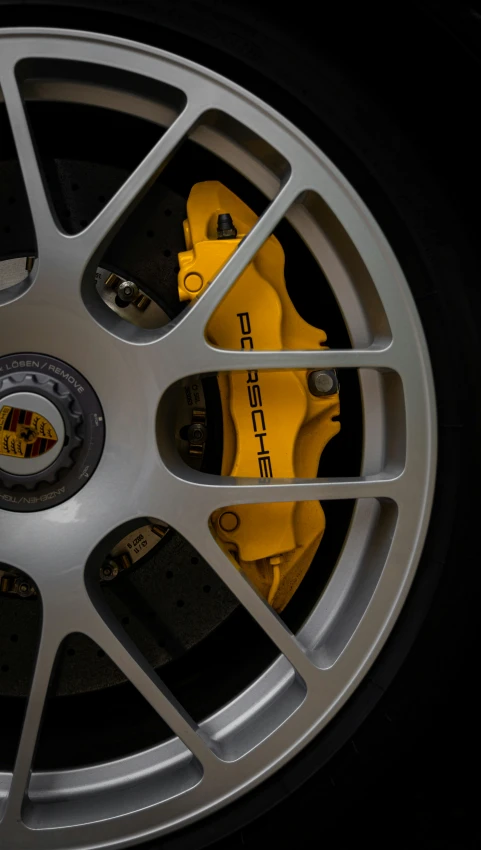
323	382
225	227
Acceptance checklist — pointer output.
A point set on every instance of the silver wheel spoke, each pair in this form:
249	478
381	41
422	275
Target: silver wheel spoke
206	359
123	652
328	359
49	643
93	239
259	610
270	490
375	358
196	319
44	224
77	250
202	494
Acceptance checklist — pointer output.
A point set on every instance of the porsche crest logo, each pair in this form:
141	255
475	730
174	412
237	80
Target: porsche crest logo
24	434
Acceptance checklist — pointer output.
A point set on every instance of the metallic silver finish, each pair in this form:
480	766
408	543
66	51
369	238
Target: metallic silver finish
322	382
204	766
37	404
144	313
127	291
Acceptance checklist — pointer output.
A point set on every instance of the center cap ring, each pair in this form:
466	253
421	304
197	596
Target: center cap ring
52	429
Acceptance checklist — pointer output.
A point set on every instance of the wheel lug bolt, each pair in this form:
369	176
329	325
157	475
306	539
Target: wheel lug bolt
323	382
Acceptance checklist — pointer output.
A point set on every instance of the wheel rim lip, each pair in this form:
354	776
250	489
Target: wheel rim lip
41	784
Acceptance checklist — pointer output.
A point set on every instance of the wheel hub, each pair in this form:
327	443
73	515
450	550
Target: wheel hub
51	432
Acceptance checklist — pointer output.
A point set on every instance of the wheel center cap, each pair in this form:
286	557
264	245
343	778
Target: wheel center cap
32	433
51	432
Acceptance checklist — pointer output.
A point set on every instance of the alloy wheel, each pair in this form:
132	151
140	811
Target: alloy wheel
55	312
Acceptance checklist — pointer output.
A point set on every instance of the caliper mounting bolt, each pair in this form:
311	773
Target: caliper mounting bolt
225	227
323	382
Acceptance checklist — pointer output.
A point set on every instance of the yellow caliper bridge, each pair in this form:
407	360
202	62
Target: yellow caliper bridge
273	425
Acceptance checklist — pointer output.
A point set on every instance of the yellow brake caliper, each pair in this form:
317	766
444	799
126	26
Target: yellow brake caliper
274	426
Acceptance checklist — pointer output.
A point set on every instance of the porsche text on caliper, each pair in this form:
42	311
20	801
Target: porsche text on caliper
275	423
